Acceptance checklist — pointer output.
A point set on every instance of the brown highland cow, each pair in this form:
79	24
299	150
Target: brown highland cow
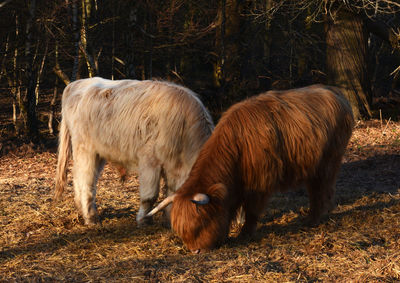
269	143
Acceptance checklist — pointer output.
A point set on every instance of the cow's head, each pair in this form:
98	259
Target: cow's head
200	219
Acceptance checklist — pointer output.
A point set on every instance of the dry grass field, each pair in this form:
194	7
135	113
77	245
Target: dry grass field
358	242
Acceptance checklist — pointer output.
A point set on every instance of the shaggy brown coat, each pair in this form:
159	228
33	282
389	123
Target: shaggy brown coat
269	143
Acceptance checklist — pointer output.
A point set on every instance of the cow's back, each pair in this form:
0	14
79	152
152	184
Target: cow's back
123	119
284	136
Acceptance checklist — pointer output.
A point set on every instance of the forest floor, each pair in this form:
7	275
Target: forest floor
41	240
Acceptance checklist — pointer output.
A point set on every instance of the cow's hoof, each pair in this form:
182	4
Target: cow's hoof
166	224
248	230
93	221
312	221
144	221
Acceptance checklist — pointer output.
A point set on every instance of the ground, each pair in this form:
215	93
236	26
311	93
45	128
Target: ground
41	240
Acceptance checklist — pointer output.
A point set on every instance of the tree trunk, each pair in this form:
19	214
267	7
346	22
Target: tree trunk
31	125
15	82
40	72
113	43
75	67
219	67
11	77
148	44
347	68
130	70
52	109
228	45
91	66
232	40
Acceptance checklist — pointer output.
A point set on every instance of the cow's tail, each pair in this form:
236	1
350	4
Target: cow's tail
64	151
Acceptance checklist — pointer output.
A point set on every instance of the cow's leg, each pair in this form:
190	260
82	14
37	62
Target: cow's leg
315	190
253	207
170	188
149	179
321	191
86	169
174	177
330	181
321	194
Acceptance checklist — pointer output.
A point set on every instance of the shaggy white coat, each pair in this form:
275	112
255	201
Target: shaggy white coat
154	127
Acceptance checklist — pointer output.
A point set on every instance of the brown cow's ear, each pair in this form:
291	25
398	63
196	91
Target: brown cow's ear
217	191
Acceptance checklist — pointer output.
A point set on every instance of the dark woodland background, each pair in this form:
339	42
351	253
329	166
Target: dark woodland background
225	50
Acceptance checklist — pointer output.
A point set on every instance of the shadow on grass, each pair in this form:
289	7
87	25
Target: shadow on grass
299	223
111	213
216	264
375	175
124	230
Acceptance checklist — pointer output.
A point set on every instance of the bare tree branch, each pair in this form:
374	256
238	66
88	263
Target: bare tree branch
57	70
386	33
5	3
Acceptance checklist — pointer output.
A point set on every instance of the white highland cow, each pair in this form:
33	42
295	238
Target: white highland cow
154	127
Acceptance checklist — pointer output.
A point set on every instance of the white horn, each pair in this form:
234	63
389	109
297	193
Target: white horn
200	199
161	205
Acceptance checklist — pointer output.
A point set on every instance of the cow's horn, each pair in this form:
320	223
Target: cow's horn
200	199
161	205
